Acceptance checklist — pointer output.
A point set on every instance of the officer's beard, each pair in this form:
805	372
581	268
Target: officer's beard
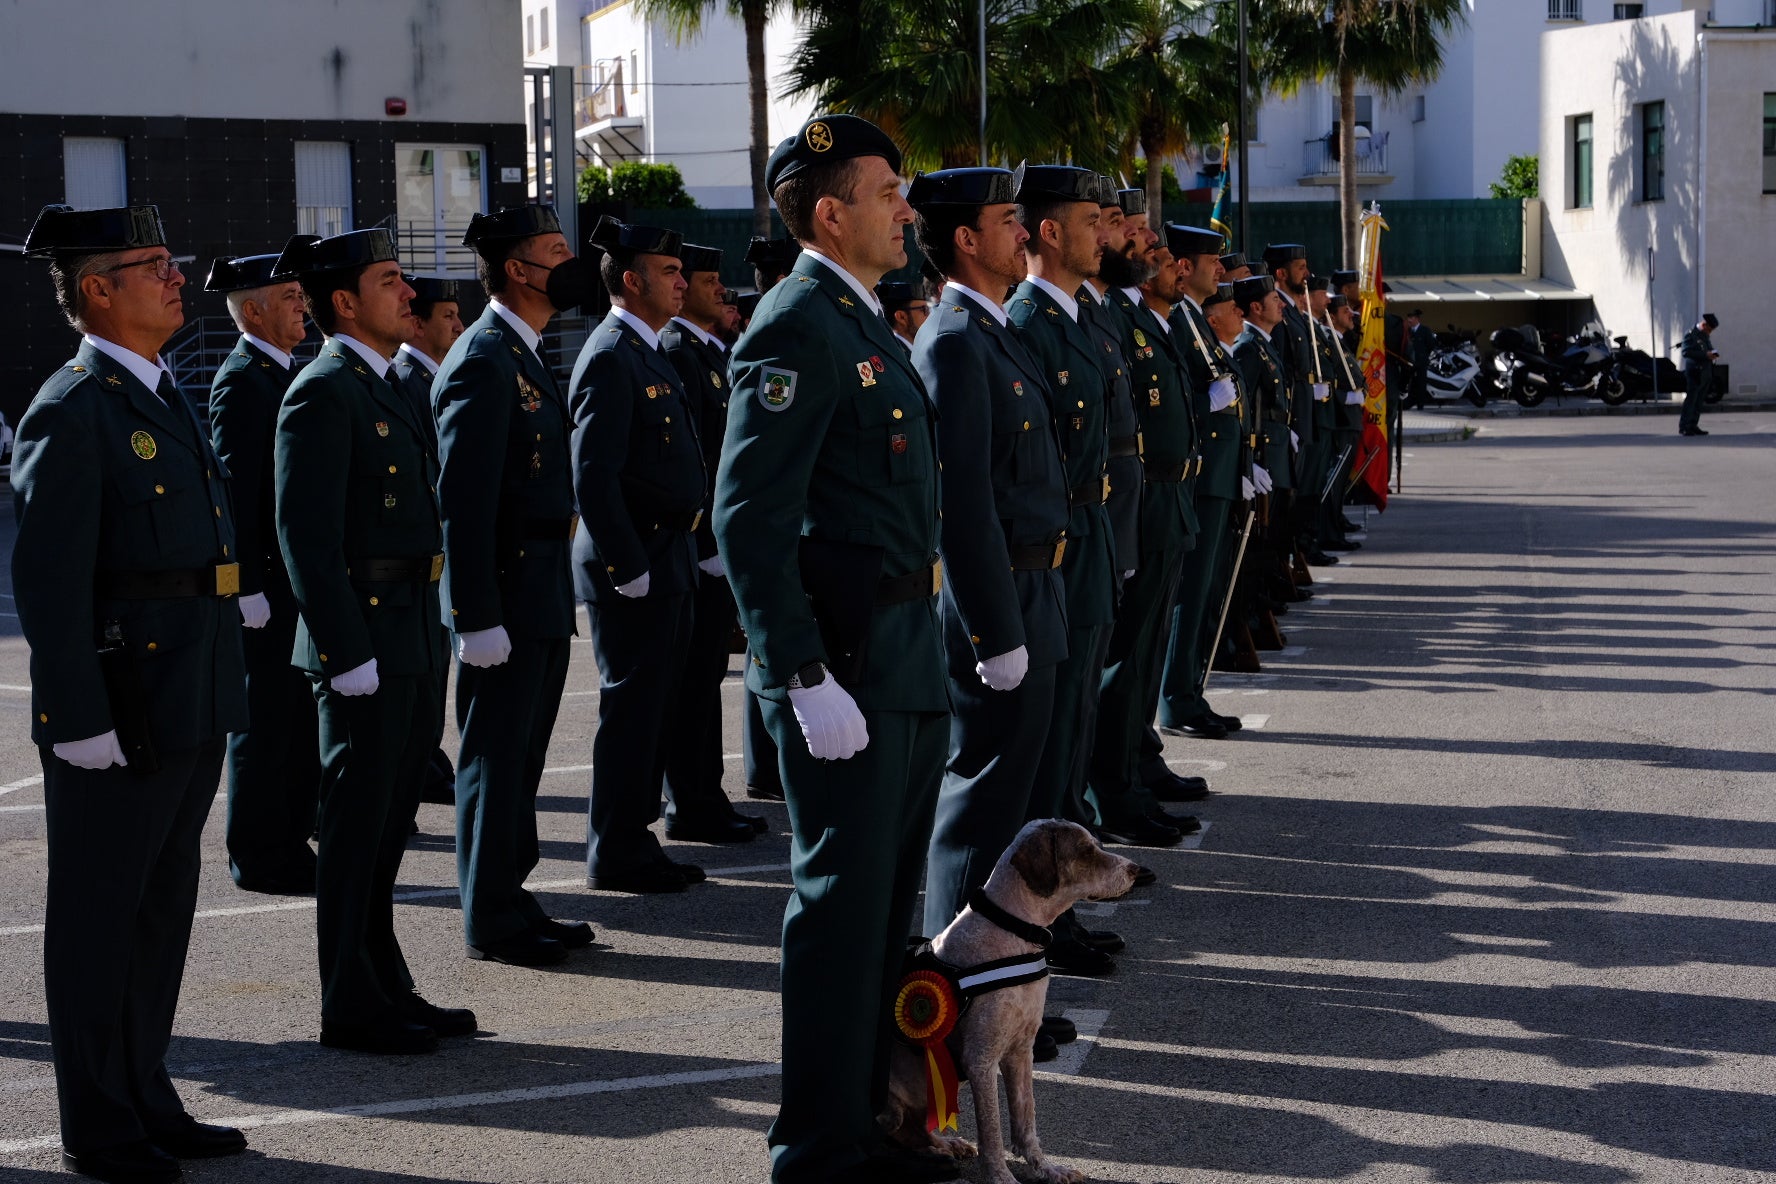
1117	270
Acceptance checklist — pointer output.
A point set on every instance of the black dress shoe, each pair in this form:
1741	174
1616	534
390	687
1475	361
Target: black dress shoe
652	877
1059	1029
1348	524
1106	940
765	793
199	1140
575	935
391	1038
291	884
732	829
140	1162
1141	832
1168	786
1044	1048
445	1021
1319	558
1341	545
1202	727
1232	723
758	822
521	949
1183	823
1068	956
1145	875
691	873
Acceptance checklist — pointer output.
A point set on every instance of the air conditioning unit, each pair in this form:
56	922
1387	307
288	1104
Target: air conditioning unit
1212	154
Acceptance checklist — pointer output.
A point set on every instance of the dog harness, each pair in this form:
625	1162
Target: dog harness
934	995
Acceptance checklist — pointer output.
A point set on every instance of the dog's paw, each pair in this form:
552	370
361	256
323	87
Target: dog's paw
954	1147
1051	1172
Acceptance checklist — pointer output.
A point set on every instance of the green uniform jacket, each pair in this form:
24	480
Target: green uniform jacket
636	461
830	436
1064	350
244	399
701	368
1004	485
1225	436
1167	415
357	480
505	487
1265	382
1109	328
1697	345
107	478
1293	341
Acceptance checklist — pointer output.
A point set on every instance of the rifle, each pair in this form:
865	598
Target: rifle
1332	477
1227	601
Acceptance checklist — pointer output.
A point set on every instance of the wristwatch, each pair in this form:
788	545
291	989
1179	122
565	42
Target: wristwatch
809	676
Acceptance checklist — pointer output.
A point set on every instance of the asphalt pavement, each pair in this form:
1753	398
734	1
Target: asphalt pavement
1488	894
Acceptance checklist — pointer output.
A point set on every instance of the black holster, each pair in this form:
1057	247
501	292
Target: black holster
841	580
129	703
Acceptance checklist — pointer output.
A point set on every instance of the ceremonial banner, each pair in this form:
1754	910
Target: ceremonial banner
1369	467
1218	216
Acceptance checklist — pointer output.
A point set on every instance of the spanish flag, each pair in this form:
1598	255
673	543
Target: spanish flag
1218	216
1369	465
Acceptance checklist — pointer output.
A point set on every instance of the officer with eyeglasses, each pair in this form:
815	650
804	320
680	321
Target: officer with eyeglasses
126	580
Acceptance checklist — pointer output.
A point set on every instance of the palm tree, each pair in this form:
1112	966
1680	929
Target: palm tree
1177	78
683	20
912	66
1389	44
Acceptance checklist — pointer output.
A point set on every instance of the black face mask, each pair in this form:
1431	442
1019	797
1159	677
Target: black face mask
570	283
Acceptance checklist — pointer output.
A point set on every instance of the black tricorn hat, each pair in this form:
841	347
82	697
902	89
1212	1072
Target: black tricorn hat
1234	260
898	294
1132	201
1223	294
1183	241
430	289
512	222
243	272
1253	287
1712	321
766	251
1342	276
1107	198
695	258
749	302
1282	254
961	187
826	138
1336	302
625	241
309	254
1054	182
64	230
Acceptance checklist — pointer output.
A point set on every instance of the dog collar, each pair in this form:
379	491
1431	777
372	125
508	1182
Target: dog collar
980	902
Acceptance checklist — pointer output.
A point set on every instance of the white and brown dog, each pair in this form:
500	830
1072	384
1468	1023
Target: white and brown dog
1048	868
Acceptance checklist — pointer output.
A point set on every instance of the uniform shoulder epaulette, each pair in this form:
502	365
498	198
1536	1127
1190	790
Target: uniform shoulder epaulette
490	332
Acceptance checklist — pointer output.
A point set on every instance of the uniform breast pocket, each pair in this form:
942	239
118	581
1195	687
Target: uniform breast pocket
894	439
656	429
164	500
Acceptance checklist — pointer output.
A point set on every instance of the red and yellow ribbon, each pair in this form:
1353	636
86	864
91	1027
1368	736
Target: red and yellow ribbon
925	1011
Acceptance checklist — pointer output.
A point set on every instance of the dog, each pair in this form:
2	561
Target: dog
1048	868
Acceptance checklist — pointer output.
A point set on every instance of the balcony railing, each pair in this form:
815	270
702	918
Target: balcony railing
1319	157
596	101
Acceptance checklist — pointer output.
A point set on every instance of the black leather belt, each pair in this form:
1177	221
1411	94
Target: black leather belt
1039	557
1168	474
684	522
1092	493
550	529
1122	446
915	585
419	569
222	579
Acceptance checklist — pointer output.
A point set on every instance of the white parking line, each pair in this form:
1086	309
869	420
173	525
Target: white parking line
1292	651
22	783
1089	1022
1254	723
1193	841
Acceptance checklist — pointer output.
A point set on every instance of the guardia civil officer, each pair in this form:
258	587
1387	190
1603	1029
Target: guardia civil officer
124	572
1265	375
1123	466
826	518
906	309
437	323
1234	267
697	810
640	485
1005	512
1287	264
274	765
357	522
505	497
1238	652
1332	420
1698	364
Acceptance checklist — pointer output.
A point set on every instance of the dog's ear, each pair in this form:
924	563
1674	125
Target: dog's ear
1037	859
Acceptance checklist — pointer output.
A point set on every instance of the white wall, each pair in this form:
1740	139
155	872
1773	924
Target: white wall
452	60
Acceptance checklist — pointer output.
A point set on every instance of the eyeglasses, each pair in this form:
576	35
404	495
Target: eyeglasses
164	266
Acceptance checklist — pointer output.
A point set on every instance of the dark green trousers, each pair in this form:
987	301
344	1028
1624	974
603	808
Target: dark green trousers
694	764
1202	589
860	829
1059	791
374	750
274	767
758	751
506	714
123	864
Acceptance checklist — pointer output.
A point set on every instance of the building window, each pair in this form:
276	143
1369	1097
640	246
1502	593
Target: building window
1652	151
1366	112
543	28
634	71
1629	12
1770	143
1418	109
323	188
1580	154
93	172
530	35
1566	10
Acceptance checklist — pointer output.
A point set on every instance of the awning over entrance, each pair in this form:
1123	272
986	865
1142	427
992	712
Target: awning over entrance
1468	289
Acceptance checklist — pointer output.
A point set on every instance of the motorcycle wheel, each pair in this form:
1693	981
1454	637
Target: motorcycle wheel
1612	390
1475	393
1528	394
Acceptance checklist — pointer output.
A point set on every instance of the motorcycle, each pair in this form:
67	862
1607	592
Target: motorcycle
1582	365
1454	371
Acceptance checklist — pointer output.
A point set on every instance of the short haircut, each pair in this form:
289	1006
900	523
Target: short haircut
490	264
66	275
1246	306
237	305
934	229
422	309
797	196
1034	213
317	294
610	270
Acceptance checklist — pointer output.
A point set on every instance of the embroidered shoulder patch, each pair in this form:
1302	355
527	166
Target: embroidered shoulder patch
777	388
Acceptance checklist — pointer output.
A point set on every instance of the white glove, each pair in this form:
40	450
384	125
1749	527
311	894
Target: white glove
1353	398
1006	671
484	647
1128	575
1261	479
1322	391
712	566
1222	393
361	681
1247	493
1294	441
97	752
255	611
635	588
830	721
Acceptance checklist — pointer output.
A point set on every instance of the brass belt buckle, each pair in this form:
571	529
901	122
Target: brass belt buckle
696	519
228	579
1104	493
936	578
1060	549
1141	445
437	568
573	524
